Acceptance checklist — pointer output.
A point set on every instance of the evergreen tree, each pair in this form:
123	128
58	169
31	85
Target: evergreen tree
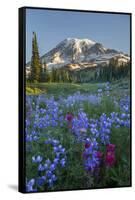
35	61
44	76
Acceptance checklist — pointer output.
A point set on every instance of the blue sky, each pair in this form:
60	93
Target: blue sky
51	27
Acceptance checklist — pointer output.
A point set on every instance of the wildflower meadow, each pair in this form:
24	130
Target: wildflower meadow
77	136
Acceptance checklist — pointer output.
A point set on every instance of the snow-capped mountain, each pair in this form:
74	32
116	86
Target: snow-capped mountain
80	53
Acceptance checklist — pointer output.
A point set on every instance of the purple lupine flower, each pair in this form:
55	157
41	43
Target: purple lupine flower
62	150
91	160
46	166
123	115
55	161
41	167
48	174
37	159
52	167
55	142
29	186
54	178
50	182
48	141
63	162
56	149
57	154
48	162
29	138
40	181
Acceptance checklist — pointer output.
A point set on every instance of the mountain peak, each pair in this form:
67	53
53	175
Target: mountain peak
82	52
80	40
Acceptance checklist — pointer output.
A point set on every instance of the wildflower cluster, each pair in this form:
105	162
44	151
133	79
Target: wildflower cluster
104	128
31	136
79	98
80	125
91	155
49	115
119	120
46	169
100	128
110	155
125	104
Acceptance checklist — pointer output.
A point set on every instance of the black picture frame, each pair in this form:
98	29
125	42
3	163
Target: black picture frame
22	93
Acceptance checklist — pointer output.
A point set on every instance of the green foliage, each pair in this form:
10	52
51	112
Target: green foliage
35	61
64	89
114	71
33	91
111	72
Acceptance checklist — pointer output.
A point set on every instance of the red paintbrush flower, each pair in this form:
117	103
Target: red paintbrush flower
110	147
110	158
87	145
69	117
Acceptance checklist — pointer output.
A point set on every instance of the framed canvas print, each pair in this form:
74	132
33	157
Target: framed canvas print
74	99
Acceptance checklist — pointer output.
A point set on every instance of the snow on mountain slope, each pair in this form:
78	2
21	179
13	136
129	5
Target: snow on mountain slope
78	52
67	51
